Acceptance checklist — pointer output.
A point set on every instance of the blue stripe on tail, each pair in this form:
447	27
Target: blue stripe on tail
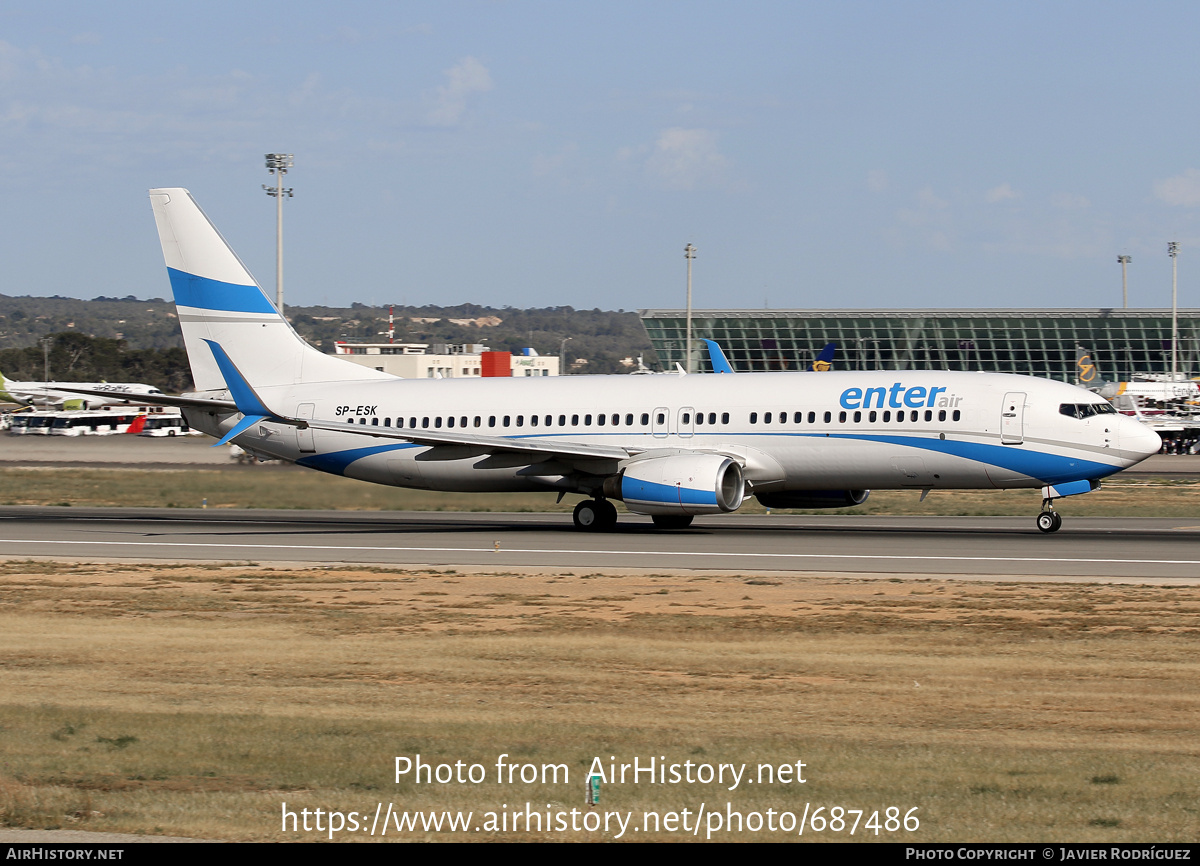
193	291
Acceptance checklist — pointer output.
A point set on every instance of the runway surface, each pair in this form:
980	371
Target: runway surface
1140	550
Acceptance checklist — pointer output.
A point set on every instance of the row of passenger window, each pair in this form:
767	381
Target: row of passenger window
600	420
873	417
615	419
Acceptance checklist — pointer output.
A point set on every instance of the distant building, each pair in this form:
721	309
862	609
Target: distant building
440	360
1041	343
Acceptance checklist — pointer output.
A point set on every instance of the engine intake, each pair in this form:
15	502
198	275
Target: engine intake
680	484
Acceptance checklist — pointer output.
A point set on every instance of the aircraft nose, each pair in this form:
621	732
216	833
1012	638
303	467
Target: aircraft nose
1138	438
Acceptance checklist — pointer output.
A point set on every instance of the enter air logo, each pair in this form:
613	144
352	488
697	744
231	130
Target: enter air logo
898	397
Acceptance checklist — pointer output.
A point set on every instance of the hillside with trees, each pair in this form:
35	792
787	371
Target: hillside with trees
134	340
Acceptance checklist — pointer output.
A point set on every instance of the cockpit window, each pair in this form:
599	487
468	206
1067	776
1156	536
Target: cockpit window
1086	410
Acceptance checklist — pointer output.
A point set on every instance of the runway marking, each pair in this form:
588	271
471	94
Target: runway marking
714	554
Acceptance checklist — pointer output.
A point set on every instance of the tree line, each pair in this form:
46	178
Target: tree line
74	357
133	340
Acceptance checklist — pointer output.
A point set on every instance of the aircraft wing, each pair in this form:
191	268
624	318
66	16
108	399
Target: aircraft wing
533	446
157	399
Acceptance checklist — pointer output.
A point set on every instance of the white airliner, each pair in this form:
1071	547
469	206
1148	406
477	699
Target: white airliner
670	447
1087	375
53	393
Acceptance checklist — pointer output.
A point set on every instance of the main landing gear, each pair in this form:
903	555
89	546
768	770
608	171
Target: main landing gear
600	515
1049	520
595	515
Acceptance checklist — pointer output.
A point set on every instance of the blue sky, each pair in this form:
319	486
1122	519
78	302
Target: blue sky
820	155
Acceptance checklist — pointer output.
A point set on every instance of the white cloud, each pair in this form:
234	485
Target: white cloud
468	77
928	200
1182	189
687	158
1004	192
1070	201
547	164
929	221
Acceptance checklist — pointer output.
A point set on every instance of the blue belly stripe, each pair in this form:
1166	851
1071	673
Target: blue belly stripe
1050	468
336	462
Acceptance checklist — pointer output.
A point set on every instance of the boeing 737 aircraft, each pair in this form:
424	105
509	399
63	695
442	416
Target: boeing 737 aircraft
52	393
669	446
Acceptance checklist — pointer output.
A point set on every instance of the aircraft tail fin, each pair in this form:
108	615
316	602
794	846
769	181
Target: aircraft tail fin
823	363
219	302
716	357
1087	374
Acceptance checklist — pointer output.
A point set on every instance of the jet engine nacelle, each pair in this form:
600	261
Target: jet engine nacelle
813	498
682	484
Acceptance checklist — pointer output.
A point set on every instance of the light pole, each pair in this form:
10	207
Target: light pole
278	165
1124	261
1173	252
689	253
562	355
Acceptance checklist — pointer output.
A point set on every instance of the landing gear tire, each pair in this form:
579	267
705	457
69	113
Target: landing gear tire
595	515
608	515
672	521
1049	521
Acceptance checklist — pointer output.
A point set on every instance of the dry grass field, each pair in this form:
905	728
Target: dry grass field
194	701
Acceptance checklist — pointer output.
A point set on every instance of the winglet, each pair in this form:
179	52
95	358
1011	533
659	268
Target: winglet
243	394
716	357
248	402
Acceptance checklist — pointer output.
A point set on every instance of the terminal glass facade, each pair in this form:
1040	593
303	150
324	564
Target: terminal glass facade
1123	343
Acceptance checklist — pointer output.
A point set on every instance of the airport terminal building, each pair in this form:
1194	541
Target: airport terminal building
1123	342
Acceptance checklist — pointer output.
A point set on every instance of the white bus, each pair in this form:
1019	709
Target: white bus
32	423
91	423
166	425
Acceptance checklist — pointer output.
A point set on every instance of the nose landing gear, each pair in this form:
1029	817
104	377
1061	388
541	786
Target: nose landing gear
1049	520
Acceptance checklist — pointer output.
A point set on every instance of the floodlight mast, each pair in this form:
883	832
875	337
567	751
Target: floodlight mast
689	253
1173	252
1124	261
278	165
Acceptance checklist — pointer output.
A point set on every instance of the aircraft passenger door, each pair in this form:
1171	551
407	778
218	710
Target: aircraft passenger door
304	437
1012	419
661	416
686	419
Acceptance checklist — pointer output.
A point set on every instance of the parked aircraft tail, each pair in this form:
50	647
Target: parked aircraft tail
221	305
716	357
823	363
1086	373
